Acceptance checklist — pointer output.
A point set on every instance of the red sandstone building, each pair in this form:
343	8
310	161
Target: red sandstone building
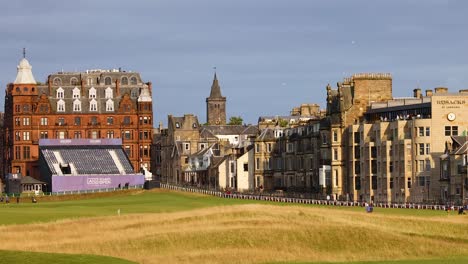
92	104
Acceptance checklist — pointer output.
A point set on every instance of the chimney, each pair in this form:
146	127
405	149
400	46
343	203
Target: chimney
82	87
441	90
49	85
428	93
117	87
150	87
417	93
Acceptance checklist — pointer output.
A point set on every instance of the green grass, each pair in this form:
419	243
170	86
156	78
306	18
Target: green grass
142	202
146	202
11	257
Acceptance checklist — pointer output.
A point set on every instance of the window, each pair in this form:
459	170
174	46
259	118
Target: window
17	108
26	108
202	146
110	120
17	136
17	152
289	147
26	135
126	120
409	183
374	182
127	135
257	163
94	134
357	167
335	154
76	93
428	131
373	152
186	146
73	81
109	93
26	152
44	121
246	167
133	80
76	105
60	121
61	106
77	121
232	167
93	105
44	108
110	134
177	125
421	165
124	81
335	136
128	151
44	135
390	166
109	105
428	148
357	183
57	81
77	134
107	81
451	130
421	148
269	147
421	131
92	93
94	120
428	165
60	93
17	121
26	121
356	138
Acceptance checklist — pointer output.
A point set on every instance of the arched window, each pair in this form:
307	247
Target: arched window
109	105
57	81
77	105
107	81
90	81
108	93
73	81
133	80
76	93
61	106
93	105
124	81
92	92
60	93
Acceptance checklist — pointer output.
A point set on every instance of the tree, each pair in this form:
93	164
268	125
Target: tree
283	123
235	120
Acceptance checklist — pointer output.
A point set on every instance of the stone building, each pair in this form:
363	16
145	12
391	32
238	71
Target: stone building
215	105
92	104
454	173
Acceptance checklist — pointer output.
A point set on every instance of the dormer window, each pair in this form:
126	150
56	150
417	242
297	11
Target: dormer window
194	125
133	80
177	125
60	93
61	106
109	93
110	105
124	81
76	93
107	81
77	105
93	105
92	92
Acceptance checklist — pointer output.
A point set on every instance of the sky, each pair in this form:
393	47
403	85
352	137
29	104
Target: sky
270	55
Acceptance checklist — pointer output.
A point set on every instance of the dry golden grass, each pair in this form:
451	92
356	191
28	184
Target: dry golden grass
248	234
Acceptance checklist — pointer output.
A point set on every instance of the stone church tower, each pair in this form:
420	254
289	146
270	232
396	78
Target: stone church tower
216	105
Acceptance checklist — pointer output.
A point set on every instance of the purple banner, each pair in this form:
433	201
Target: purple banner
92	182
80	142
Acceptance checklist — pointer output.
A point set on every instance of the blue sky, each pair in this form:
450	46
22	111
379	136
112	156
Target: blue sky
270	55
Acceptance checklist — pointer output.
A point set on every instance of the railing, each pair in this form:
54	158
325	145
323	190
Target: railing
260	197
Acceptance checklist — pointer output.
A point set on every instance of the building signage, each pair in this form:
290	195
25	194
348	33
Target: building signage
451	103
98	181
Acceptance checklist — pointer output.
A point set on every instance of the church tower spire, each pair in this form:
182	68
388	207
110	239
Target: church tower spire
216	105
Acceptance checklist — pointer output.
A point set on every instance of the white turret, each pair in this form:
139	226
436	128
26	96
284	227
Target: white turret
145	95
24	75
